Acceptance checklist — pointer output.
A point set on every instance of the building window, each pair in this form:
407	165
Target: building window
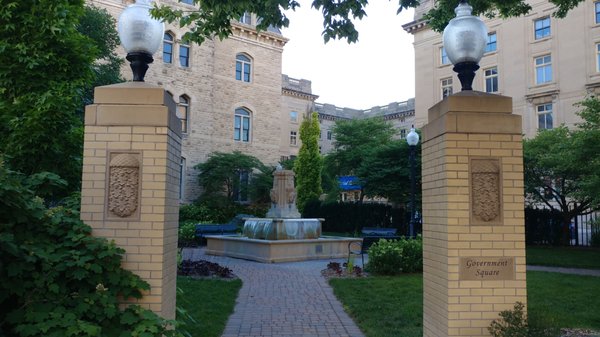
328	135
444	56
491	79
598	57
184	55
542	28
446	87
168	48
189	2
293	135
293	116
544	113
543	69
597	6
246	18
183	112
403	133
243	66
181	177
242	125
491	43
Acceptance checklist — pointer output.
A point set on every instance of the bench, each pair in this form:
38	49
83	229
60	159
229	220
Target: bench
207	229
370	235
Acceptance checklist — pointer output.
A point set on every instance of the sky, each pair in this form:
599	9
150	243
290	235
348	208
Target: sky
375	71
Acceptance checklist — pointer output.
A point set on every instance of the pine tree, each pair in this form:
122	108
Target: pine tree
309	162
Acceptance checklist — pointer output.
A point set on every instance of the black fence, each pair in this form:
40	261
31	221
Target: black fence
352	217
546	227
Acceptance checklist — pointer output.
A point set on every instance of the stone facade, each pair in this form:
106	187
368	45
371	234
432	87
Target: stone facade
208	94
473	216
571	43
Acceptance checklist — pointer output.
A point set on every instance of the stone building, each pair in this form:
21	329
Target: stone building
545	64
232	95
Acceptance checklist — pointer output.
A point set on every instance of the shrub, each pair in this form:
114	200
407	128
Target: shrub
195	213
512	323
187	234
58	280
391	257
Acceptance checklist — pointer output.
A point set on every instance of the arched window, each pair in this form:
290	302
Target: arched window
183	112
243	68
241	131
168	48
184	55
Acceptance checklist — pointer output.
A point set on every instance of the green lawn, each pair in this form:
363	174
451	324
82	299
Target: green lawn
392	306
575	257
207	304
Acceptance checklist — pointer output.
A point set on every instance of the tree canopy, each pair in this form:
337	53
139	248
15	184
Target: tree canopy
213	17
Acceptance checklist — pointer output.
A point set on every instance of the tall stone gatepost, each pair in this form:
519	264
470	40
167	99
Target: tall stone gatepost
473	216
130	185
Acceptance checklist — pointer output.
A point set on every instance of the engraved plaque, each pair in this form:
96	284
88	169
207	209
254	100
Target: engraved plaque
486	198
123	185
486	269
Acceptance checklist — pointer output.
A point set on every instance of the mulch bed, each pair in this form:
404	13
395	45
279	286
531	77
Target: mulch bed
579	333
204	269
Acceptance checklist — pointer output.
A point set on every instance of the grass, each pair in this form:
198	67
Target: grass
383	306
392	306
574	257
207	304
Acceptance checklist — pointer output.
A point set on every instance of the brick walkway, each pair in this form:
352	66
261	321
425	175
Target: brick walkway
283	300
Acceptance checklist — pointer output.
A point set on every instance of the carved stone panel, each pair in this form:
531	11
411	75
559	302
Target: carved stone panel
123	185
486	269
486	191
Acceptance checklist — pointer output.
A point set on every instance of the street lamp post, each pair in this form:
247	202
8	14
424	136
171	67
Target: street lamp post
465	38
412	139
140	35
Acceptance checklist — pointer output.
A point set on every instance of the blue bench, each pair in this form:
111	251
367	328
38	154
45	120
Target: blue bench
370	235
208	229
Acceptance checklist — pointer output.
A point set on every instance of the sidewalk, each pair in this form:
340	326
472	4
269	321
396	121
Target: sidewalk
574	271
283	300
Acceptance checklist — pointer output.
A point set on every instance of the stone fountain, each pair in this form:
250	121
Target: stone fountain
283	235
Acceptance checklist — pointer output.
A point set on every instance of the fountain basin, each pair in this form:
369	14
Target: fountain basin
282	229
272	251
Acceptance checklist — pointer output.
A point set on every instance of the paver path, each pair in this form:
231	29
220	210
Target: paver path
283	300
575	271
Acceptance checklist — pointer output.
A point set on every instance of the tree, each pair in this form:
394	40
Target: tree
213	17
227	173
48	66
385	172
309	163
556	176
354	141
586	143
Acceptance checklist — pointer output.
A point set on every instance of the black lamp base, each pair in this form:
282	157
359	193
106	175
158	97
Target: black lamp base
139	64
466	74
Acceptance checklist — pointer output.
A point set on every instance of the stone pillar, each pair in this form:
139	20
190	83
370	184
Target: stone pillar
130	183
473	214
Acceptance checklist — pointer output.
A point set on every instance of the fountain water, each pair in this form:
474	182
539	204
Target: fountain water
283	235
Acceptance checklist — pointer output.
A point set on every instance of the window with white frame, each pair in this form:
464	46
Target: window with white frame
183	112
446	85
491	79
444	56
293	138
543	69
246	18
491	42
168	48
598	57
542	28
293	116
241	131
597	10
544	114
328	135
243	68
184	55
403	133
